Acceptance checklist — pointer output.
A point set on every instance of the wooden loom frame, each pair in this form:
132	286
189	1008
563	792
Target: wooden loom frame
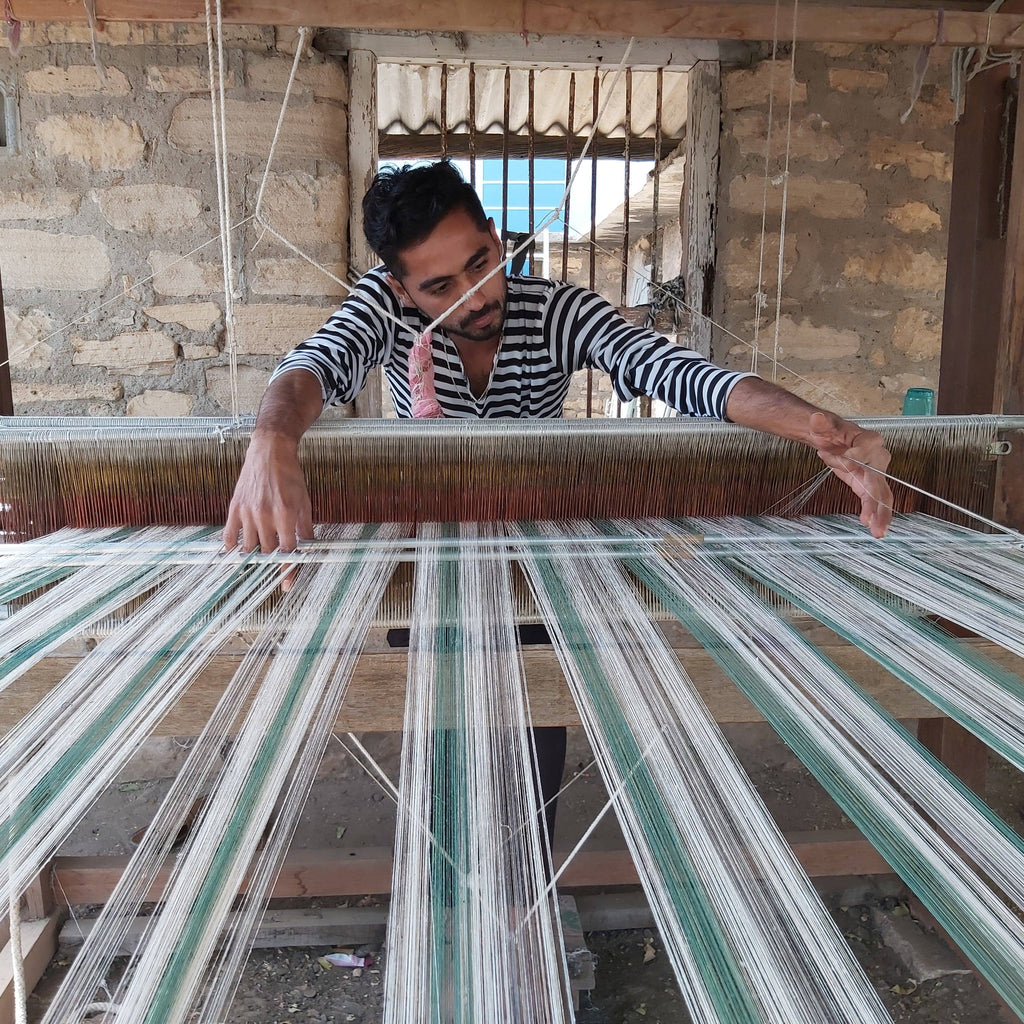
989	366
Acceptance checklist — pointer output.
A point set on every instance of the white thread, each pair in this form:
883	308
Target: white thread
552	216
220	158
743	341
369	764
1009	530
17	954
758	303
785	198
299	47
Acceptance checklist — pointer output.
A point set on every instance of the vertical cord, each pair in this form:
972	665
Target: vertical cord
760	299
14	920
220	153
785	196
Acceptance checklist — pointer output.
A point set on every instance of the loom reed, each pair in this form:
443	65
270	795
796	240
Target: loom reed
103	473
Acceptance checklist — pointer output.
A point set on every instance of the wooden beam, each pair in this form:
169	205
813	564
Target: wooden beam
959	750
340	872
976	250
319	926
510	49
1008	397
6	397
851	23
699	212
376	696
38	944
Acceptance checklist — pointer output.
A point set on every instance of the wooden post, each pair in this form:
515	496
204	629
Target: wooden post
1008	397
976	251
699	213
6	397
362	166
983	319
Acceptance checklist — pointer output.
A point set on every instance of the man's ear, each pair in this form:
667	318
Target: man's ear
496	237
396	287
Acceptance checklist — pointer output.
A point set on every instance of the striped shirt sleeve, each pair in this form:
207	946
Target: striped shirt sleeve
355	339
587	331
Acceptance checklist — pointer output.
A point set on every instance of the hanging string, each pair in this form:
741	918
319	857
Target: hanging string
17	953
760	299
785	196
218	108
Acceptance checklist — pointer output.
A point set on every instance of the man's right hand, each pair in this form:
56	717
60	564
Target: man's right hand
270	508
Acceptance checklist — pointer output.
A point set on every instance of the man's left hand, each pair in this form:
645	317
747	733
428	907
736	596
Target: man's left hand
859	458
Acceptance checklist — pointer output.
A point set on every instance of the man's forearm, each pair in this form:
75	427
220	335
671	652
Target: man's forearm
858	456
764	406
290	406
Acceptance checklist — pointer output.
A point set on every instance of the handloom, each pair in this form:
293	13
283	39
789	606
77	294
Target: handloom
597	529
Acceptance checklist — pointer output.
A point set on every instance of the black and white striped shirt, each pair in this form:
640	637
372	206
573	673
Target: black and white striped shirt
551	330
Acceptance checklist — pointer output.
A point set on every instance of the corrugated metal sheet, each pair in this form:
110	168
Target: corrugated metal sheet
409	102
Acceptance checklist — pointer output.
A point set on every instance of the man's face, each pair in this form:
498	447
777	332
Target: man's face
444	266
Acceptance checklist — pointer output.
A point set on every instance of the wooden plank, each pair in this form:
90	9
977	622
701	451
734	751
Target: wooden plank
851	23
310	873
319	926
38	944
699	208
376	697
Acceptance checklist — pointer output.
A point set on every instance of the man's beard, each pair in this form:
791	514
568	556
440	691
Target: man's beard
464	328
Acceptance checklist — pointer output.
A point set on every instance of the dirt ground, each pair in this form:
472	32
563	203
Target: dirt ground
345	810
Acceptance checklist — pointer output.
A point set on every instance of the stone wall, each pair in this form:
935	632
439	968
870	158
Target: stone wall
868	198
108	220
114	300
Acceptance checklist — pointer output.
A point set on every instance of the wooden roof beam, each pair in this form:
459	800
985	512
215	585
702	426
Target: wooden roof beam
721	20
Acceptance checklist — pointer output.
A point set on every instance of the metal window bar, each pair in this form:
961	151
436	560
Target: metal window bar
444	110
470	122
504	156
656	187
595	105
472	125
627	130
569	133
645	403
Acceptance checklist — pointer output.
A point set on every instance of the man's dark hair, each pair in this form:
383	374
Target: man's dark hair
404	204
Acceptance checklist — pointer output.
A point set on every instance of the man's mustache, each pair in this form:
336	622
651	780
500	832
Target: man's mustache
492	308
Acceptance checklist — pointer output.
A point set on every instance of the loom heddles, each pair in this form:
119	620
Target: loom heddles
747	936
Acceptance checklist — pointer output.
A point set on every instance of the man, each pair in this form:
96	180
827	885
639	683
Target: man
507	350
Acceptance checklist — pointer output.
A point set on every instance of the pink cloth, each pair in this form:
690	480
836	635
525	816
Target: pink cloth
421	380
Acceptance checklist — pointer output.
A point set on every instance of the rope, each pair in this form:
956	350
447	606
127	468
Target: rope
760	299
220	156
785	196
